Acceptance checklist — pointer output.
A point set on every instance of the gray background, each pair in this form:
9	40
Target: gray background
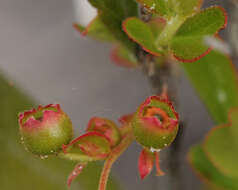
40	52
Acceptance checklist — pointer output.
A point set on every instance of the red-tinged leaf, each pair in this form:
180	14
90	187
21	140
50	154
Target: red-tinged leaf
96	30
78	27
77	170
188	45
123	57
92	144
159	172
145	163
112	15
221	146
208	173
142	34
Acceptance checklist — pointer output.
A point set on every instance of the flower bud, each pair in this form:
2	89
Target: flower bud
155	124
88	147
44	130
106	127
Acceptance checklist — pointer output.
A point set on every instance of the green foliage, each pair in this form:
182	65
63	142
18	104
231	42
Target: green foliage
182	37
137	30
188	42
123	57
22	170
112	13
170	8
160	7
221	146
215	80
210	174
96	30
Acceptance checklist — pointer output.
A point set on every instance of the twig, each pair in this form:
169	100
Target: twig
116	152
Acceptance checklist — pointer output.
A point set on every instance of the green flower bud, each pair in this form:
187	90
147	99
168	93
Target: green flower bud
106	127
44	130
155	124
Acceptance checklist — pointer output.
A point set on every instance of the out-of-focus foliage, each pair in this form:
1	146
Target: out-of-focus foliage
22	170
215	79
208	172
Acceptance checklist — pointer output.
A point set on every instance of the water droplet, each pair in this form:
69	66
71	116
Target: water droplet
154	149
43	157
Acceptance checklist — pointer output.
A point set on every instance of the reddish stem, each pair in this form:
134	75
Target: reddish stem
157	165
116	152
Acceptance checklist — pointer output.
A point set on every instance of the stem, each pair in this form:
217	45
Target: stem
169	31
116	152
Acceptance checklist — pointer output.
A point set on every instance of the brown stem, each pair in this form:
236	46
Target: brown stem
116	152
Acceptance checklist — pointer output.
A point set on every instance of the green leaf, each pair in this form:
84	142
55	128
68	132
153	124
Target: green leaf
187	7
123	57
171	8
215	80
141	33
221	146
208	172
160	7
96	30
157	25
188	43
112	15
22	170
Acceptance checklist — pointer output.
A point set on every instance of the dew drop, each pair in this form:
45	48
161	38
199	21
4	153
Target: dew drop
154	150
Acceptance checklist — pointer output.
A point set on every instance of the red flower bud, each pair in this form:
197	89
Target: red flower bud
107	128
45	129
88	147
155	123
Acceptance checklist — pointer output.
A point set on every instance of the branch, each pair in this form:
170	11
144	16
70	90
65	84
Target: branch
116	152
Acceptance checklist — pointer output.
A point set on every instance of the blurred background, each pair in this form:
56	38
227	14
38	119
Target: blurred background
42	55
